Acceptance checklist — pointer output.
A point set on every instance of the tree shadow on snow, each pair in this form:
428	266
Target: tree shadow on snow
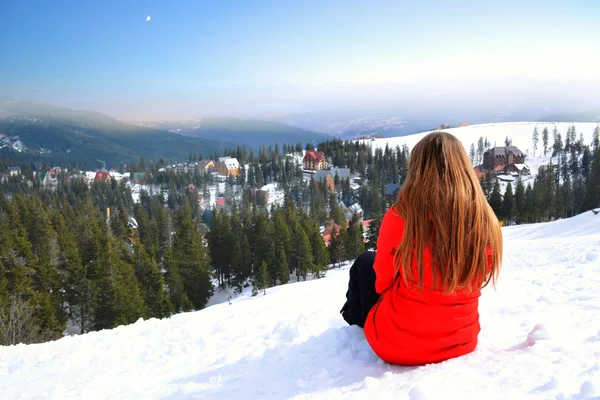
339	357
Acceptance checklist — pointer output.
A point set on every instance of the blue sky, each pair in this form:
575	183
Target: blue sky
199	55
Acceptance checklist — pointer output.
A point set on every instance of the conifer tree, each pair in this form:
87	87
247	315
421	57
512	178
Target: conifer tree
373	234
301	252
496	200
174	283
596	138
472	154
284	268
336	247
152	285
545	140
508	204
520	211
192	259
535	139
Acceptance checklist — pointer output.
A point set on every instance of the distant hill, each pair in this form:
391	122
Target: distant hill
45	133
583	116
253	133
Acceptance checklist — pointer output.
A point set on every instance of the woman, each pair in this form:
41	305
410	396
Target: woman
440	243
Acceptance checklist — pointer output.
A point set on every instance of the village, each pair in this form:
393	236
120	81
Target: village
223	174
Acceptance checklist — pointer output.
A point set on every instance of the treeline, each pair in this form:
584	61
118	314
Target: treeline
568	186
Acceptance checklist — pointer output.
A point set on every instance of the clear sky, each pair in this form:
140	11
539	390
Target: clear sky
195	57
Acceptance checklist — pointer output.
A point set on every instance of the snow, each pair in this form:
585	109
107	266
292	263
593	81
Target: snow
540	339
520	132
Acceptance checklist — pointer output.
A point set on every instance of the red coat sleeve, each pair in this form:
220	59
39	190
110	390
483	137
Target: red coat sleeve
390	235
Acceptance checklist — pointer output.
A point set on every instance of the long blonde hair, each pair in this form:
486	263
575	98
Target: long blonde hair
445	210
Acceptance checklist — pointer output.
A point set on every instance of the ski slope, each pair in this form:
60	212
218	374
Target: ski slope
540	339
521	134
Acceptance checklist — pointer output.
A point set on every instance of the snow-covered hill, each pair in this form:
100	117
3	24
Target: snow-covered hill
496	133
540	339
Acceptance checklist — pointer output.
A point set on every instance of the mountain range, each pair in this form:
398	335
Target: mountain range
32	132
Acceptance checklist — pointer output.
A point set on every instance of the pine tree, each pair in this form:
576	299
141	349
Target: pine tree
265	278
192	258
152	285
472	153
496	200
320	258
301	252
508	205
545	140
520	212
535	139
596	138
373	234
284	268
336	247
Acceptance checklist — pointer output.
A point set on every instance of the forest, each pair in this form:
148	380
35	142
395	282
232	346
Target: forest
83	257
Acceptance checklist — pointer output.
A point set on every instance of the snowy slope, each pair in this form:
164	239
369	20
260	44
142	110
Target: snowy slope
520	132
540	339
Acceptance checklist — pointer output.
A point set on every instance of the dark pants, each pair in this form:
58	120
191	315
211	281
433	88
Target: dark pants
361	295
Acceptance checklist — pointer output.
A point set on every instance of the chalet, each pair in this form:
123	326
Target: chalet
498	159
221	204
391	191
518	169
102	176
206	166
325	177
314	161
14	171
354	209
228	166
341	174
48	179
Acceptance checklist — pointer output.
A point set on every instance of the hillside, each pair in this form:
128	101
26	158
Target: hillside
253	133
59	135
540	339
583	116
519	132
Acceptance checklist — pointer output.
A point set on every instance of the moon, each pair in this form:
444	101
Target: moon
148	18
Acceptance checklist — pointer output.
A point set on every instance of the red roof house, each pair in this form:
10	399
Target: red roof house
314	160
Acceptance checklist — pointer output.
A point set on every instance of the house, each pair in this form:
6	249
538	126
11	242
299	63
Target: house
217	177
101	176
221	204
228	166
354	209
139	177
206	166
391	191
341	174
314	161
325	177
14	171
328	231
518	169
498	159
48	179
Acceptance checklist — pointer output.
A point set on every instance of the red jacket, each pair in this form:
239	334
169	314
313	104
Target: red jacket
409	327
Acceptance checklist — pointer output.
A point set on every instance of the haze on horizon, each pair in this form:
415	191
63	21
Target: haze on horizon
185	59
